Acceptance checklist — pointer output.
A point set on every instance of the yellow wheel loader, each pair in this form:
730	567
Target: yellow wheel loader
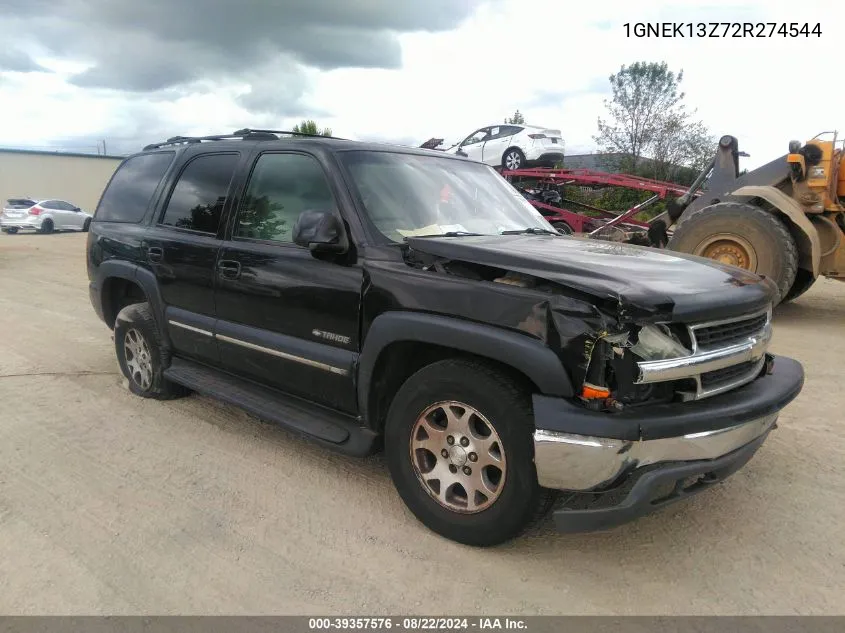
784	220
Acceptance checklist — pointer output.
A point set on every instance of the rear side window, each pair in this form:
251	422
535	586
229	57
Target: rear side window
131	189
200	194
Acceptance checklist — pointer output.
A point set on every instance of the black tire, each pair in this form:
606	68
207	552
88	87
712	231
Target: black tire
563	227
773	247
86	225
137	320
803	282
46	227
11	230
513	158
520	502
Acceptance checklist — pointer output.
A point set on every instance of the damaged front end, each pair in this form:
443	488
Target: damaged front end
619	354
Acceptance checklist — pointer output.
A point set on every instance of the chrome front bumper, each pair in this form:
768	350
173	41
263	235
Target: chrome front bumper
567	461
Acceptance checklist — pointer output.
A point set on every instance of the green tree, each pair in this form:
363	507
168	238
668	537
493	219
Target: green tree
642	93
647	118
516	119
310	127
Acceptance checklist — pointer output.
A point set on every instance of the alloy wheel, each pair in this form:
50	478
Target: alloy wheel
458	457
138	359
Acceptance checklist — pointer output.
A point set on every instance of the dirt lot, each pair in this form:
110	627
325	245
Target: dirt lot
114	504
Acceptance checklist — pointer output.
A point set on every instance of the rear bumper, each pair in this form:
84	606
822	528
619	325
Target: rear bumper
20	223
95	297
602	454
543	158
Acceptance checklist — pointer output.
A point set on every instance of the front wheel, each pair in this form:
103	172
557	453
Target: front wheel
513	159
744	236
459	447
86	225
11	230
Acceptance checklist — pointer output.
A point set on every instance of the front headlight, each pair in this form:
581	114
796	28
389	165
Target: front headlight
656	342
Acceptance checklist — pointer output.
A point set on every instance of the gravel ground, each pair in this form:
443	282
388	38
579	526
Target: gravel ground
114	504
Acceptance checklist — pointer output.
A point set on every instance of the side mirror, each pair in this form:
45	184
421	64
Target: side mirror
77	209
320	232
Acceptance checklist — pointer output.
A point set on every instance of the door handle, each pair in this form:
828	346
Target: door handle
229	269
155	254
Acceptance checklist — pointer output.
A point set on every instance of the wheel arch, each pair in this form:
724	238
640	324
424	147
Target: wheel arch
400	343
119	279
802	230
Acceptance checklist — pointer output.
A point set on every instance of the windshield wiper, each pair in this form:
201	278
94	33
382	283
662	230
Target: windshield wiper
450	234
532	230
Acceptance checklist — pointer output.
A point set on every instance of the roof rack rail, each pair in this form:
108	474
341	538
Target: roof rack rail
289	132
247	134
182	140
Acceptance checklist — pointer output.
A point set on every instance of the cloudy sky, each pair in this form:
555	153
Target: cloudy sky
73	72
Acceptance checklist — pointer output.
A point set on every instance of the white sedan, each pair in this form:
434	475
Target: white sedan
44	216
512	146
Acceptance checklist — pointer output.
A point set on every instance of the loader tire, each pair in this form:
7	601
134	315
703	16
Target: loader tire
803	282
741	235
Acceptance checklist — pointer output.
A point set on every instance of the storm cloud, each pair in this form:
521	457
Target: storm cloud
16	61
150	45
149	59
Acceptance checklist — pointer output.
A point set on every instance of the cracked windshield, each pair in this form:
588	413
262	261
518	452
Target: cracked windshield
411	196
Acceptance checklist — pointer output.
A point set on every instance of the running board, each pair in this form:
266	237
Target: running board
329	428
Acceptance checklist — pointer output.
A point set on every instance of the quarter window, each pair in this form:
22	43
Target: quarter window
200	194
131	189
281	187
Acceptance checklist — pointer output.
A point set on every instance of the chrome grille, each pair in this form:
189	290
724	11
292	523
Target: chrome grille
725	354
724	334
712	379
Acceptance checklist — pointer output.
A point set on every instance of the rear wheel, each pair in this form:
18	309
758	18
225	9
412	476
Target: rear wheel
459	447
142	355
513	158
744	236
46	227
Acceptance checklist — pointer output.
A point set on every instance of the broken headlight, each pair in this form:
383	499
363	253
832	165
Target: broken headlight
613	371
657	342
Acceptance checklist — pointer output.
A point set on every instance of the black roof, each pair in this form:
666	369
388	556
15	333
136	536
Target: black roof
293	138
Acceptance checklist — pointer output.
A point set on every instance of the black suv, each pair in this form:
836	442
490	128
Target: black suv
376	297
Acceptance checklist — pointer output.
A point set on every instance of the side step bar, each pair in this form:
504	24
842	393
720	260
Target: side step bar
329	428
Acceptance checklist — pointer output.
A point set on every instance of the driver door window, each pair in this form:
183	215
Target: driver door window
281	187
474	145
476	137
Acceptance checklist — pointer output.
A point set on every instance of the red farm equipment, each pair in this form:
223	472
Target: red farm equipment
542	188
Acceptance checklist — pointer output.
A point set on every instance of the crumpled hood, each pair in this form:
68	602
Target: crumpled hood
640	281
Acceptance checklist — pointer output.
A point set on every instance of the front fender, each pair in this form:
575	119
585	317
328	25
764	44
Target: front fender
528	355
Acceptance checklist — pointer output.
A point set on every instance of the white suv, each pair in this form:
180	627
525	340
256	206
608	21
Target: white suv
512	146
44	216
